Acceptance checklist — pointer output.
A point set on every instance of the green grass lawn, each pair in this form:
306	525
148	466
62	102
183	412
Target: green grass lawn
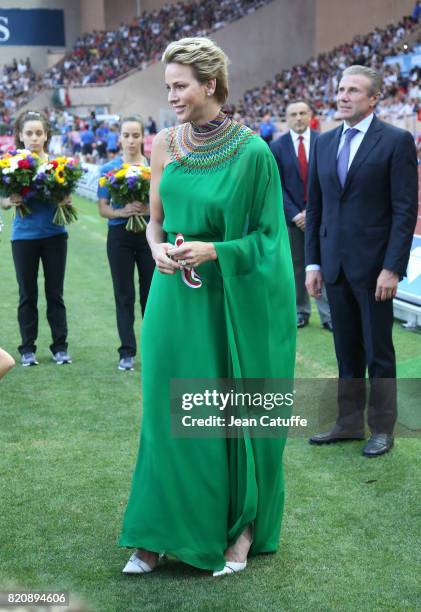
68	440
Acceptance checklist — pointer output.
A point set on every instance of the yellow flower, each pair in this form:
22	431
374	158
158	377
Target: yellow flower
4	163
121	173
59	174
61	160
102	181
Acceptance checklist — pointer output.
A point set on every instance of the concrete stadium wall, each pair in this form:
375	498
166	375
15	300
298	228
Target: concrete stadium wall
259	45
38	55
92	15
339	21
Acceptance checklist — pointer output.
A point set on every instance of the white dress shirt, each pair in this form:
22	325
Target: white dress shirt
306	141
362	126
296	142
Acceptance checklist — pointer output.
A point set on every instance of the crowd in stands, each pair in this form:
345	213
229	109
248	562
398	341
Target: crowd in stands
103	56
317	80
17	82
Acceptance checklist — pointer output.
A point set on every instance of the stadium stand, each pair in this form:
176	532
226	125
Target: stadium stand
317	80
102	57
99	57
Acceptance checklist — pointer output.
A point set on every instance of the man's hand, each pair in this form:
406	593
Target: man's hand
314	283
387	285
300	220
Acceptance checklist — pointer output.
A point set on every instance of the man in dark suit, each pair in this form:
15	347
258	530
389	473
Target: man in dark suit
361	215
293	152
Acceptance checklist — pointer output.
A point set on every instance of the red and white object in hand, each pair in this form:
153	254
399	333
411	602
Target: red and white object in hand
189	275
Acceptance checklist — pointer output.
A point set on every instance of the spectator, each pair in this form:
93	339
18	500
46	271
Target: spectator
267	129
101	140
416	13
87	138
112	142
151	126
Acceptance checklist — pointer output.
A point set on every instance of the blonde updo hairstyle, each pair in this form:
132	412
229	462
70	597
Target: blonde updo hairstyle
207	60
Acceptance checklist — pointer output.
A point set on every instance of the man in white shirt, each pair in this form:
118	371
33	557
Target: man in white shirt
292	152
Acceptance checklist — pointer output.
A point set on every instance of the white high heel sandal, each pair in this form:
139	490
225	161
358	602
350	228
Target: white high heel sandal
135	565
231	567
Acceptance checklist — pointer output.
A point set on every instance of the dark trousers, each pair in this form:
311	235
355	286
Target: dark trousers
362	330
303	305
125	251
27	255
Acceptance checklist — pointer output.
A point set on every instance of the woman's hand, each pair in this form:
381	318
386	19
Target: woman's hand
67	201
164	264
143	208
16	199
192	254
134	208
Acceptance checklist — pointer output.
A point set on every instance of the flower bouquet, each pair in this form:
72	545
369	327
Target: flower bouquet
17	170
54	181
130	183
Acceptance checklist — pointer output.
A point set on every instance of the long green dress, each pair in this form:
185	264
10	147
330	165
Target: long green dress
192	497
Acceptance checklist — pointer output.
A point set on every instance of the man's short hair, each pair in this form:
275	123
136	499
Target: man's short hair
373	76
299	101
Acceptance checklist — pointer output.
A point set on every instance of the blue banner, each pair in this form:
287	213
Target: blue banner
32	27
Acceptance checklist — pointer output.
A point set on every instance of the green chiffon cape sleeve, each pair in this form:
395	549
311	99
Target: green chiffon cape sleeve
256	267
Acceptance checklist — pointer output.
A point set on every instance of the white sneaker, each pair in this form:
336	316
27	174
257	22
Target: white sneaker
28	359
126	363
62	357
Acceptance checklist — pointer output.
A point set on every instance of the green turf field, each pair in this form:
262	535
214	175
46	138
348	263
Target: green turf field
68	441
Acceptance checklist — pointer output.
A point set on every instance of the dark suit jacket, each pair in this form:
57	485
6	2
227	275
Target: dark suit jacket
368	225
289	171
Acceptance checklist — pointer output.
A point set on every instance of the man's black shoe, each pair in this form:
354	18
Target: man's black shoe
328	325
378	444
302	321
333	436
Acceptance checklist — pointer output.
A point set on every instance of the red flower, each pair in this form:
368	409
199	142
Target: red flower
24	163
54	163
24	190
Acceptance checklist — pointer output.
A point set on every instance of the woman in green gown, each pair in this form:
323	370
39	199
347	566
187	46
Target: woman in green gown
210	501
